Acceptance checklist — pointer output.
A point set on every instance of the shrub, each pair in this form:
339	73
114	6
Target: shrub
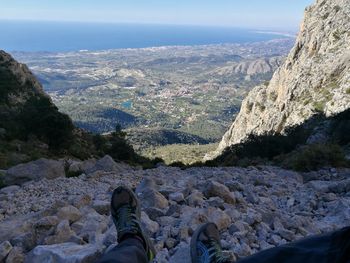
315	156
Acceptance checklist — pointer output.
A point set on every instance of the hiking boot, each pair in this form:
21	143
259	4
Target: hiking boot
205	245
126	214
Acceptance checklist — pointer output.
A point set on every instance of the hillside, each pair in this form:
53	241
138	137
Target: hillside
315	78
67	219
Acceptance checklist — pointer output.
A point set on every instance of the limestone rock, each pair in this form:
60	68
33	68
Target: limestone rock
214	189
36	170
65	253
70	213
314	78
106	164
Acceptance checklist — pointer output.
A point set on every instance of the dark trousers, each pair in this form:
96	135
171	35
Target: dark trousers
128	251
328	248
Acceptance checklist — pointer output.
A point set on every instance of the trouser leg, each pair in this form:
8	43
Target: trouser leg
328	248
130	250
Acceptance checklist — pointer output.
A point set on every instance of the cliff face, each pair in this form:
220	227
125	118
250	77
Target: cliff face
314	78
17	83
25	109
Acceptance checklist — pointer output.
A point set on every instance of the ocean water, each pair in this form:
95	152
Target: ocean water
68	36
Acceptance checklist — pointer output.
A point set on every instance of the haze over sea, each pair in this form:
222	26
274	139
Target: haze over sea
72	36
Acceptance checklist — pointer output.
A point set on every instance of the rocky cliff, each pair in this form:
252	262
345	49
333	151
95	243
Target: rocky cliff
314	78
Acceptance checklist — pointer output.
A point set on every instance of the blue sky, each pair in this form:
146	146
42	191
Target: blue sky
260	14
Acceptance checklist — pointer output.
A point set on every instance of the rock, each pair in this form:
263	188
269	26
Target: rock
9	190
45	227
5	248
214	189
16	255
152	198
170	243
220	218
154	213
242	250
91	227
286	234
65	253
293	95
102	207
253	217
216	202
177	197
106	164
83	167
238	226
196	198
69	212
81	201
36	170
26	241
182	254
63	234
151	227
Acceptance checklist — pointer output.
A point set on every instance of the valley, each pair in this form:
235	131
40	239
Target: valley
193	91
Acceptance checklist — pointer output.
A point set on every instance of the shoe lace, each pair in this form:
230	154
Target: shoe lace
127	220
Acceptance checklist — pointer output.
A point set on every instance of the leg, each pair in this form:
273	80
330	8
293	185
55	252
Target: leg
328	248
130	250
133	244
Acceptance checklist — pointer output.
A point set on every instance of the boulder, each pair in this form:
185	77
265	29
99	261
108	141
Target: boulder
70	213
36	170
214	189
152	198
106	164
65	253
151	227
177	197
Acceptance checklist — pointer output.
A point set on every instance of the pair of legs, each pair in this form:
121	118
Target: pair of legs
135	247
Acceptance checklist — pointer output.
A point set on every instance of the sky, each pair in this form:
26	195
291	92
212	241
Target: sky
257	14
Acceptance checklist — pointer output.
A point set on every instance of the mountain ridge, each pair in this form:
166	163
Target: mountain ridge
314	78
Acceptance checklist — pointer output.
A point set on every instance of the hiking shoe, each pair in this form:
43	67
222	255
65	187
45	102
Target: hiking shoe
205	245
126	214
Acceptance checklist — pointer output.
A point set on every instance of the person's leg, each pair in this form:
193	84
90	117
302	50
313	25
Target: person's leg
328	248
128	251
133	245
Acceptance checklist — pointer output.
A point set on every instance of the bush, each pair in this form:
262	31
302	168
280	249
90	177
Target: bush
315	156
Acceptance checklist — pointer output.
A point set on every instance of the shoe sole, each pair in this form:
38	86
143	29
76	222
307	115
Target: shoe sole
194	238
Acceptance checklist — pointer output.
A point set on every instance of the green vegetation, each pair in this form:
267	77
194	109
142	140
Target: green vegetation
348	91
180	153
315	156
291	150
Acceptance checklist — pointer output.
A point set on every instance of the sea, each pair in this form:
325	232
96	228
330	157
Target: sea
34	36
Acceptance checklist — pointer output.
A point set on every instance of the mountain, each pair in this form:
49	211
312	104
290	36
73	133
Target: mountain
315	78
25	109
32	127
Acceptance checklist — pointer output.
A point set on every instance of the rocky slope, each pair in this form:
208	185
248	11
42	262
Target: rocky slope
67	219
314	78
